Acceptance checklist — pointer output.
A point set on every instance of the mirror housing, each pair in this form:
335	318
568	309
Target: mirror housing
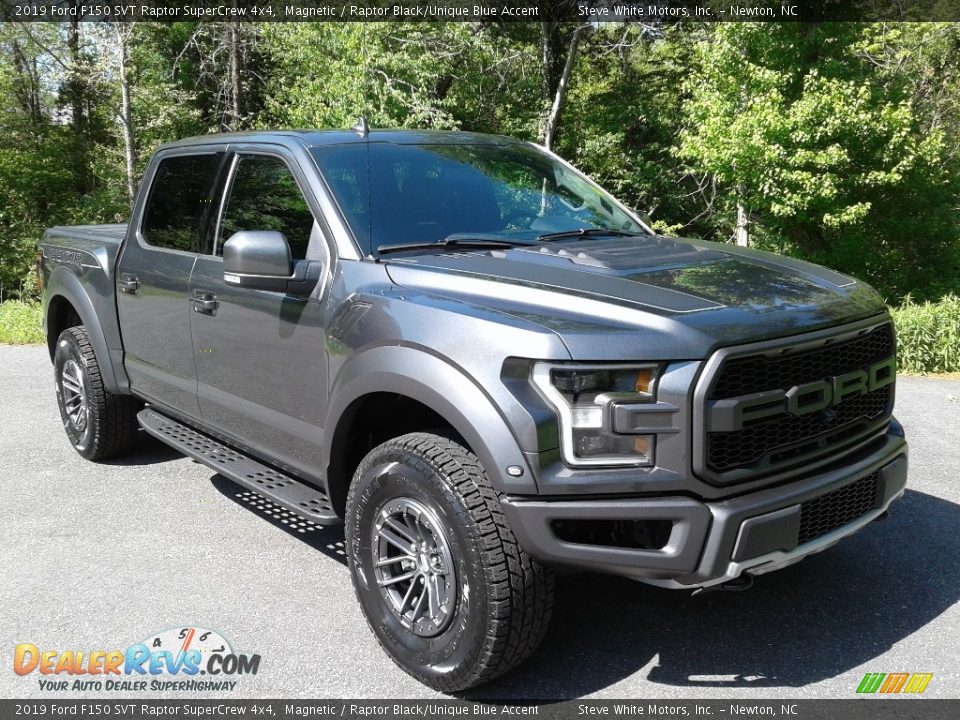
260	260
257	252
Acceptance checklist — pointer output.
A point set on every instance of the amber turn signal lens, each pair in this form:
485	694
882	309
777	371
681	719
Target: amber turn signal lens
644	380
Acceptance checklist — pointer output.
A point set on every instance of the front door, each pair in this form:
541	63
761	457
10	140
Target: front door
260	355
153	278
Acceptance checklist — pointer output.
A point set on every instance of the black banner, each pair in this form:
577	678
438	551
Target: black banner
592	11
859	709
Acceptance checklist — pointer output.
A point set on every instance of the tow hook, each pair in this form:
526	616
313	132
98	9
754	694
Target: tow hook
882	516
738	584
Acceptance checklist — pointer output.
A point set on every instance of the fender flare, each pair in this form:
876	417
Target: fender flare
65	284
445	389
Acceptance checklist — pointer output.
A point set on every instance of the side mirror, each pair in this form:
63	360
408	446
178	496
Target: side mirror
260	260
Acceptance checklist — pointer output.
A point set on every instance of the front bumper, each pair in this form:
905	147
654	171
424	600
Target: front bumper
715	542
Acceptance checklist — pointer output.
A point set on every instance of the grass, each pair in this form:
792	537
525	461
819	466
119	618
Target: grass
928	335
20	323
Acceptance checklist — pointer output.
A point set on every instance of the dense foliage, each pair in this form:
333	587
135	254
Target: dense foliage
928	335
20	323
839	143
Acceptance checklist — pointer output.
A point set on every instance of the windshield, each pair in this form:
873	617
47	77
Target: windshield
425	193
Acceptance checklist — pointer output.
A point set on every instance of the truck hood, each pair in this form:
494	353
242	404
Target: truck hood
686	296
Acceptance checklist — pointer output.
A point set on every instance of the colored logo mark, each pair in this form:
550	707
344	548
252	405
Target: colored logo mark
893	683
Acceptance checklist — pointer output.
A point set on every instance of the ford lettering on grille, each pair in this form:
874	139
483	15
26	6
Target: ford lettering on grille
734	413
785	406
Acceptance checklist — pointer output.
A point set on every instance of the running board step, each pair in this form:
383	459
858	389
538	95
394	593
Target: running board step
291	493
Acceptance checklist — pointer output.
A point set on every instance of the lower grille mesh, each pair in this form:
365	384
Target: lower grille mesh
826	513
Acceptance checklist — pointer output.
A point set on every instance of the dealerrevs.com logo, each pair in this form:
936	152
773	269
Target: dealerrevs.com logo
189	659
894	683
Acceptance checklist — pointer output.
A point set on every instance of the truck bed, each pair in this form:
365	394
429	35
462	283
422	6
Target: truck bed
83	247
103	233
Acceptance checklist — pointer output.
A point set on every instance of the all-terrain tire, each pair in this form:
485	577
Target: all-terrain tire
503	597
99	424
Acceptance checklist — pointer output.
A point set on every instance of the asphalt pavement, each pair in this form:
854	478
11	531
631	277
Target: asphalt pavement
99	556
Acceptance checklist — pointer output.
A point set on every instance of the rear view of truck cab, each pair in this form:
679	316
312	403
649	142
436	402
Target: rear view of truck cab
484	366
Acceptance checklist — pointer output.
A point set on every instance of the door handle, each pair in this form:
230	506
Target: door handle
205	302
129	283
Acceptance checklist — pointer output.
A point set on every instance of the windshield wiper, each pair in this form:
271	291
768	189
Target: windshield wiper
584	232
459	241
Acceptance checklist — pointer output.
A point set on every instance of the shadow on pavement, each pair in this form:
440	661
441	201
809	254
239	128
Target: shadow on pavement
326	539
148	451
807	623
813	621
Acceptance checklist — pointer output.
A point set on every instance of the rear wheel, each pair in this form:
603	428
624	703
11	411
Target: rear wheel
446	589
99	424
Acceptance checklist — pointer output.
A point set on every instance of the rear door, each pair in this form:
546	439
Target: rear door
260	355
173	228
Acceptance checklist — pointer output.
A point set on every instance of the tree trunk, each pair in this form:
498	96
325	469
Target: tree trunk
549	53
742	234
126	111
26	82
75	91
555	23
74	81
553	117
235	69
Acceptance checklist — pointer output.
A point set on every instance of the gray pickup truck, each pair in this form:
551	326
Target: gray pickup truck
483	365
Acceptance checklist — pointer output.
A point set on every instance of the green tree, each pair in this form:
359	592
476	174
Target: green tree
330	74
837	142
622	119
444	75
824	160
32	175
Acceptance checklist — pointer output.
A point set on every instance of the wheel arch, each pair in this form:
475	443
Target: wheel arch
60	315
67	304
432	388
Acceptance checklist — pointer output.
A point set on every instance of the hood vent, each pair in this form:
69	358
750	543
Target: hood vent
623	253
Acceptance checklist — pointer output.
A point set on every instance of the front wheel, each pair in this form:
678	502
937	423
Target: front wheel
99	424
443	583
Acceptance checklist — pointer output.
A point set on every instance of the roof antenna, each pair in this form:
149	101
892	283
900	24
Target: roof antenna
361	128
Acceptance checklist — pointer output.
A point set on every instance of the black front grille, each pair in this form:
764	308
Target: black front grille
828	512
755	373
783	441
747	447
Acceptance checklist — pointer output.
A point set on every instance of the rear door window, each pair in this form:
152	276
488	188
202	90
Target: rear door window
178	211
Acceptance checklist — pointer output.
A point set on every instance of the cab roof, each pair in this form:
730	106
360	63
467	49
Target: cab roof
311	138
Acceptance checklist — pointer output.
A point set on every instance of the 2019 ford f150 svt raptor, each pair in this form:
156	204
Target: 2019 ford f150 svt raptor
483	365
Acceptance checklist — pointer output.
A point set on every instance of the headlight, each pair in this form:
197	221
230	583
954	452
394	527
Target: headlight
582	396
